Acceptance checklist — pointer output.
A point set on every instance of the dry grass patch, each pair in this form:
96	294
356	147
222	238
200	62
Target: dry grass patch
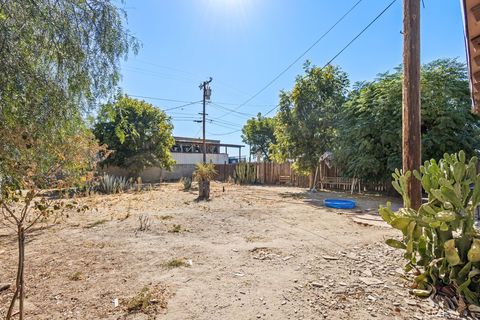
176	228
149	300
96	223
176	263
76	276
167	217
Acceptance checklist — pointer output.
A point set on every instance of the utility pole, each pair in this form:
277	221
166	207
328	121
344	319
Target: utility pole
207	92
411	138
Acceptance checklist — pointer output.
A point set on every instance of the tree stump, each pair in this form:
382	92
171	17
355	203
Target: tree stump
203	190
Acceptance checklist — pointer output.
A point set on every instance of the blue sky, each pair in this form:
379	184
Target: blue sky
243	44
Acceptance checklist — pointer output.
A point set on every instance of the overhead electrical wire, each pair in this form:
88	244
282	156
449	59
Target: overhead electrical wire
235	110
184	101
182	106
297	59
340	52
216	105
361	32
155	98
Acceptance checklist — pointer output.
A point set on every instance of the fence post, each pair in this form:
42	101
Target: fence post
224	171
264	172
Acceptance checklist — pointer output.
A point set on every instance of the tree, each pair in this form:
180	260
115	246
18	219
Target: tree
204	173
259	134
57	59
139	135
305	124
369	144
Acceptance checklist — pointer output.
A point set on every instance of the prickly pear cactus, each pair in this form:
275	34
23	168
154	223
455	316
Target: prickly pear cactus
440	239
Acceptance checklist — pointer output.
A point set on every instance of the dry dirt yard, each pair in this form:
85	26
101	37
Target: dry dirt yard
252	252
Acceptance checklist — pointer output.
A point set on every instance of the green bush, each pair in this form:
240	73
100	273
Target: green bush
440	239
108	184
187	183
245	173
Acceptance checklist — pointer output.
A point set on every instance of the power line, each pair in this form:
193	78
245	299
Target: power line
155	98
297	59
218	103
361	32
183	105
350	43
248	115
271	109
230	124
336	55
223	134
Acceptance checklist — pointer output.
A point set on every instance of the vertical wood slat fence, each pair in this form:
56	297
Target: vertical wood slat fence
270	173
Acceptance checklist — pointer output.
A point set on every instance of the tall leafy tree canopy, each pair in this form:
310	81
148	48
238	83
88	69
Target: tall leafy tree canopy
306	121
138	134
57	59
259	134
370	137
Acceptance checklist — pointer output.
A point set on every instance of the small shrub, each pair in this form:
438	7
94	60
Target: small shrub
187	183
138	184
76	276
176	263
440	240
148	300
108	184
176	228
144	222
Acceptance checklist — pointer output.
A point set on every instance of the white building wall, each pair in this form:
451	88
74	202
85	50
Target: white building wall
194	158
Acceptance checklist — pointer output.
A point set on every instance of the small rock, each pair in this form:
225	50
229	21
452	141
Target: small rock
472	308
370	281
367	272
4	286
329	258
317	284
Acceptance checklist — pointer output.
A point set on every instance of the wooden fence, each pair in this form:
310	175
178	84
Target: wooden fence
270	173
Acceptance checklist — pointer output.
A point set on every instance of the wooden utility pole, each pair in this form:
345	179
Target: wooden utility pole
206	96
412	153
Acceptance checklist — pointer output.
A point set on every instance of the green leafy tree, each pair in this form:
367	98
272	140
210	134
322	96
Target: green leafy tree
58	58
138	134
305	124
369	144
259	134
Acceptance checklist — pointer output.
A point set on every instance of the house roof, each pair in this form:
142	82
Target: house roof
207	141
195	140
471	18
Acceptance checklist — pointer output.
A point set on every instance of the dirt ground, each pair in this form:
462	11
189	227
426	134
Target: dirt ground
252	252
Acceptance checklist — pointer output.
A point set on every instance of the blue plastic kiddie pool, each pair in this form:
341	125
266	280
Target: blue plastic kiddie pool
340	203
